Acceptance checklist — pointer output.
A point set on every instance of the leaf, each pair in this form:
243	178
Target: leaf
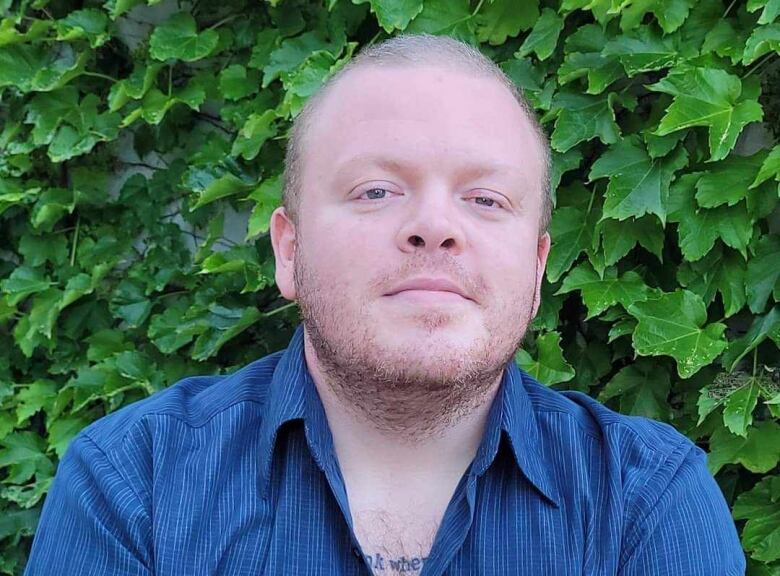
178	38
718	271
673	324
37	68
764	39
394	14
550	367
79	285
582	118
235	82
62	431
707	97
699	227
725	41
671	14
583	56
19	522
590	359
168	332
769	14
38	395
254	133
214	184
763	272
22	454
738	393
770	168
501	19
308	78
759	451
638	184
10	35
135	86
39	249
225	324
118	7
544	36
84	129
599	293
450	17
89	23
562	163
643	389
129	303
23	282
295	51
155	104
47	110
619	237
760	329
761	508
29	495
571	229
728	181
263	46
644	51
267	197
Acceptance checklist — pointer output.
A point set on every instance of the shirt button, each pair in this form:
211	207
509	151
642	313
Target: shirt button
356	552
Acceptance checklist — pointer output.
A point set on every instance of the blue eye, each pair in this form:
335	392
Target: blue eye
492	202
370	191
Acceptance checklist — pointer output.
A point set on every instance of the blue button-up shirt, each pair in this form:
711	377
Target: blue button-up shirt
237	475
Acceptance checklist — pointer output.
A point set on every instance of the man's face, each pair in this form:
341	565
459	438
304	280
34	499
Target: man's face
416	173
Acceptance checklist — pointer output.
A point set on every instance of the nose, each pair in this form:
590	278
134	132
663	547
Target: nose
433	222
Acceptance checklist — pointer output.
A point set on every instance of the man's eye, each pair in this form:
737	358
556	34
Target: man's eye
486	201
375	193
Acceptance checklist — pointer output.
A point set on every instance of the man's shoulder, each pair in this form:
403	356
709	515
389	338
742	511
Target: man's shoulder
194	401
593	421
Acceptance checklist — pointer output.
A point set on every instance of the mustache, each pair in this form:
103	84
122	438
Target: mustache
426	266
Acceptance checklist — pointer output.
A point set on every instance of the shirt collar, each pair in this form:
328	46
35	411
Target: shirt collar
292	395
518	422
284	402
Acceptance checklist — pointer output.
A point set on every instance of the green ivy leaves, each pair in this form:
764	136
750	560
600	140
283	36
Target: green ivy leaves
707	97
138	174
674	324
178	38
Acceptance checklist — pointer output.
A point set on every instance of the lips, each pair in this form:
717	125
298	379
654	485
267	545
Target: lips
430	284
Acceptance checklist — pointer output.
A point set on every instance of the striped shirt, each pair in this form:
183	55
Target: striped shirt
237	475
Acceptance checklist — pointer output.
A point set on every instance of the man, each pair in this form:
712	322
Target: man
395	434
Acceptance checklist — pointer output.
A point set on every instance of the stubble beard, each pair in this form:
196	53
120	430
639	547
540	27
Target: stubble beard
403	393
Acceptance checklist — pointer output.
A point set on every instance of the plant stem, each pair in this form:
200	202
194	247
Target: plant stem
75	240
99	75
758	64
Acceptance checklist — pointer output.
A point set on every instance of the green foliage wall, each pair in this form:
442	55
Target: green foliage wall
130	134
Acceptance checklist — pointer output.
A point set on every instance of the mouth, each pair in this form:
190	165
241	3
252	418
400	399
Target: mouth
420	296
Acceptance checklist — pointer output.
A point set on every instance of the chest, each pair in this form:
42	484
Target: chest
396	541
298	527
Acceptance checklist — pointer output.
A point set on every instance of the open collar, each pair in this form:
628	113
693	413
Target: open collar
292	396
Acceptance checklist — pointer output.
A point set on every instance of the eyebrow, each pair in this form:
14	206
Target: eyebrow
469	171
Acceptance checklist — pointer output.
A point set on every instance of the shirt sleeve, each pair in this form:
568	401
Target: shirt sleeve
686	528
92	522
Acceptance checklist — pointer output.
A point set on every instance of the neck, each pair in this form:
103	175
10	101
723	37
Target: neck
370	453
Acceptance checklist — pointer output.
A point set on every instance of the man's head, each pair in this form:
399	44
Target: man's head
418	160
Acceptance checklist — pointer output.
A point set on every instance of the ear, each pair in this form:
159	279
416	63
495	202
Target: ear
542	251
283	240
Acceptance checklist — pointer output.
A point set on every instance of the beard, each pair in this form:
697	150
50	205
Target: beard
417	389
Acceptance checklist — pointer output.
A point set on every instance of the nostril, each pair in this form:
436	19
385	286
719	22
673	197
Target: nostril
417	241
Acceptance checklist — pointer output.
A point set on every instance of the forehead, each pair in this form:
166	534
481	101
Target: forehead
433	117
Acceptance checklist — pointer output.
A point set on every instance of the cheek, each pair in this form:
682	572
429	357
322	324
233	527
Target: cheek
342	255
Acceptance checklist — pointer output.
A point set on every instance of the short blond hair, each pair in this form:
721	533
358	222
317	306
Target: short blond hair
407	50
